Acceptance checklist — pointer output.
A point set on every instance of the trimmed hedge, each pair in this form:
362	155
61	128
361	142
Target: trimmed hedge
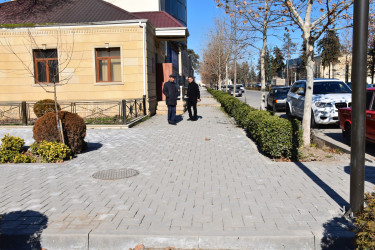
276	137
74	128
45	106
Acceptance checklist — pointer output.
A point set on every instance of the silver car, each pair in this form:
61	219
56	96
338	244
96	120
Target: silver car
328	96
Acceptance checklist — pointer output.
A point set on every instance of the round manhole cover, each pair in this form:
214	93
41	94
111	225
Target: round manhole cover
115	174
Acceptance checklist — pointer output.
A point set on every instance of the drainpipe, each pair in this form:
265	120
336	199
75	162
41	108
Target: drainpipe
143	25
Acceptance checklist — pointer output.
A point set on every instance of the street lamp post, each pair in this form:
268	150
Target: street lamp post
357	158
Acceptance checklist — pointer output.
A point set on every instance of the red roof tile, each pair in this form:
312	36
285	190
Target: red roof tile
160	19
61	11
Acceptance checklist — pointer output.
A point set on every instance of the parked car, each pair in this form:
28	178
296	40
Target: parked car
349	84
367	85
257	85
276	98
328	96
241	87
238	90
346	121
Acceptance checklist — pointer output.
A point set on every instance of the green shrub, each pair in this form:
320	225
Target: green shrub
7	156
45	106
23	158
365	223
276	137
12	143
51	151
74	128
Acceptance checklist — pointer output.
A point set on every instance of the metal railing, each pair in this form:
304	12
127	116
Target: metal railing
93	112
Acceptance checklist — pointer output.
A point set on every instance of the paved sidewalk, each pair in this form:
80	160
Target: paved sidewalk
201	185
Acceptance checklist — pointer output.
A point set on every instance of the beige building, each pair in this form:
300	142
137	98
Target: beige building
92	50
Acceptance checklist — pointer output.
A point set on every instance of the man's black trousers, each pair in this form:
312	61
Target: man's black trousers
194	105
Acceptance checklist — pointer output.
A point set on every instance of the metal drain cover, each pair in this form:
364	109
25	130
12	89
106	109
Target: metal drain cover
115	174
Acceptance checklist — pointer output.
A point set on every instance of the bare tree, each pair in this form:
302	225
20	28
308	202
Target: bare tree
258	17
305	14
217	53
289	48
52	62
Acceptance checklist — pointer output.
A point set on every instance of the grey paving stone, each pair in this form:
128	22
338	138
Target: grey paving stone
197	179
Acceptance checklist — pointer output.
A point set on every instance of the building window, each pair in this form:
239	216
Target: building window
108	65
46	66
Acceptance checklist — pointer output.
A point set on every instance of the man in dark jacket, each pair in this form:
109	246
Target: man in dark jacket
193	95
170	90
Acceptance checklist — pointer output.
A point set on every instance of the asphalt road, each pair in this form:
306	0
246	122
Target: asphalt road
253	98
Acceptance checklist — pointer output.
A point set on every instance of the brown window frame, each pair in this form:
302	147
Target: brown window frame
108	59
46	60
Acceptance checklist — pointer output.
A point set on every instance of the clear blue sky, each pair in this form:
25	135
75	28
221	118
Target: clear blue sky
201	16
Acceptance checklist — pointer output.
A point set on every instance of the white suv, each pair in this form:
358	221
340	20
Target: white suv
328	96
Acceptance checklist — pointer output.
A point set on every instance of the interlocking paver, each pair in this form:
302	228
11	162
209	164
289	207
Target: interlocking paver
203	179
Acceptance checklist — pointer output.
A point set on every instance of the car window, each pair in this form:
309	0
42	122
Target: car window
295	87
369	95
330	88
281	91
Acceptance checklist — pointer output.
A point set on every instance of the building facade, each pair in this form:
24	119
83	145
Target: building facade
175	51
98	57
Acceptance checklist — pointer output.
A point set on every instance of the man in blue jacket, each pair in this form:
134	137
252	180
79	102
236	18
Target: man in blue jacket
170	90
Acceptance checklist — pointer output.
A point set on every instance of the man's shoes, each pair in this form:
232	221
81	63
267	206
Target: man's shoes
172	123
190	119
195	119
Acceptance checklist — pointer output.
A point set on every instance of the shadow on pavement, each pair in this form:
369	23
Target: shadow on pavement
179	118
337	234
369	173
22	230
326	188
92	146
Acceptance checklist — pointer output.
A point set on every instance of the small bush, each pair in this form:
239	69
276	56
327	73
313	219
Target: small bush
365	223
74	129
12	143
45	106
51	151
7	156
277	137
23	158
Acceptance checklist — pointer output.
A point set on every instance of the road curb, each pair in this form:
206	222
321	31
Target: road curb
323	140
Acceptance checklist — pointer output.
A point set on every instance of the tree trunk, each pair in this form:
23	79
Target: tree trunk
262	61
226	76
59	128
235	51
287	72
306	121
329	70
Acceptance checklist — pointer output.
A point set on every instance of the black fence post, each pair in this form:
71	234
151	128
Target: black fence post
123	106
136	108
24	113
144	105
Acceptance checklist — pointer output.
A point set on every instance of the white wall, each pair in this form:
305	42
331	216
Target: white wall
136	5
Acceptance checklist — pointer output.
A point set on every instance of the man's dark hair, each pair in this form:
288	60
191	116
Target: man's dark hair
191	77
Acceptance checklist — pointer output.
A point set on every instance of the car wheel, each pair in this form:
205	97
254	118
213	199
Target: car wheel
287	111
348	134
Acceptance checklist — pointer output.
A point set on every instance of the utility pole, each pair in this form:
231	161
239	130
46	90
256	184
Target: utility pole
359	70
